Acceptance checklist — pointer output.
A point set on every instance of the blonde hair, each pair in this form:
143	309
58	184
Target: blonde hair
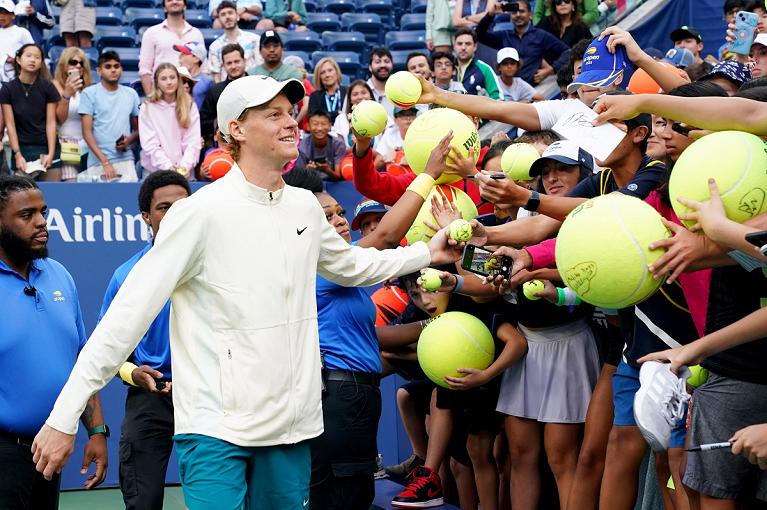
183	99
316	80
62	66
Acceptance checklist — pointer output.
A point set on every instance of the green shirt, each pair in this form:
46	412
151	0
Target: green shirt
280	73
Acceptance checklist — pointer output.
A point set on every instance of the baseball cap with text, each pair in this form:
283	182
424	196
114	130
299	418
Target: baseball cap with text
601	68
192	48
250	91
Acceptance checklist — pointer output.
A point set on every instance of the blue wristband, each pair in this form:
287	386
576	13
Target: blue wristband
458	284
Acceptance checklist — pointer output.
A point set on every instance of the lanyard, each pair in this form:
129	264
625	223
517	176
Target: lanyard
332	106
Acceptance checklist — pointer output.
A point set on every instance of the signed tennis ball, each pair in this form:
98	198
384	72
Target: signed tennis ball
369	118
460	230
430	280
530	288
403	89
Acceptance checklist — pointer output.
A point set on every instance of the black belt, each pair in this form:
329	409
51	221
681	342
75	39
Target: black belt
351	376
15	438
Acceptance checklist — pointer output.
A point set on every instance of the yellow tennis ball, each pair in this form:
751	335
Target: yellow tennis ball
530	288
698	377
451	341
460	200
736	160
602	250
403	89
460	230
369	118
517	159
426	131
430	280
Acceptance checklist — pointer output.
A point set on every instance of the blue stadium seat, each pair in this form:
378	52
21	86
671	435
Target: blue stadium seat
300	54
399	59
124	37
128	57
141	4
311	5
199	18
108	3
345	41
210	35
52	38
109	16
323	22
93	55
369	24
301	41
413	21
346	80
504	26
138	17
338	6
348	61
413	40
56	13
131	79
54	52
383	8
418	6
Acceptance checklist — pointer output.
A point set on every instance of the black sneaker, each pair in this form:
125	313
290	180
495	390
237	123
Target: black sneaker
405	467
424	490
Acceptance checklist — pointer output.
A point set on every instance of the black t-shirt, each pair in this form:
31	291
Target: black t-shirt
664	315
571	35
320	101
29	104
209	109
734	294
648	177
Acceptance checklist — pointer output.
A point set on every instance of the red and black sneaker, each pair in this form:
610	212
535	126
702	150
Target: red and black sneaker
424	490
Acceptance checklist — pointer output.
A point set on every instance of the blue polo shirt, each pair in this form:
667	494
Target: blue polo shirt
347	317
154	349
40	338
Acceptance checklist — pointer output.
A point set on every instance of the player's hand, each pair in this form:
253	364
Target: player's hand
616	108
443	249
458	164
682	249
448	282
751	442
618	37
95	453
437	161
685	356
147	377
709	216
51	450
429	93
472	379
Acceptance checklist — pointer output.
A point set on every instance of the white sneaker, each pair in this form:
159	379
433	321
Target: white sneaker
660	402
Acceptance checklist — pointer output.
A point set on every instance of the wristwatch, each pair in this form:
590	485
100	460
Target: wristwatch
100	429
533	202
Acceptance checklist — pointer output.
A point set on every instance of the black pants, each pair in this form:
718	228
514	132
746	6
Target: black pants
146	442
21	486
344	456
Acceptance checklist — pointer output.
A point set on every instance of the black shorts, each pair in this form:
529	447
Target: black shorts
420	390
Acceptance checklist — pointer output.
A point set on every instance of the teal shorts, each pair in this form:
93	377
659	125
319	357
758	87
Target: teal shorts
217	475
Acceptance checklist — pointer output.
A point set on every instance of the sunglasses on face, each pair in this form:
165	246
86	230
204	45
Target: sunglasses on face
560	2
75	62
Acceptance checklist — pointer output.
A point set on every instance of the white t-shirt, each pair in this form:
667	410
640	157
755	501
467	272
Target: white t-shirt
390	142
550	111
11	39
519	90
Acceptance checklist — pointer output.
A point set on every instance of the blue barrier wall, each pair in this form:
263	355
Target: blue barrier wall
93	228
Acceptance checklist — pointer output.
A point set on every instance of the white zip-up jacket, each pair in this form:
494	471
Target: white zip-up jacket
239	264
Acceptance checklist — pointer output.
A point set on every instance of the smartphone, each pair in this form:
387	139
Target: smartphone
745	26
320	161
509	6
74	73
119	140
758	239
482	262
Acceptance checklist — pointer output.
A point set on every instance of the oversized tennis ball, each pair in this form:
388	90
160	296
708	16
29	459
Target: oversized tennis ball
738	163
460	200
517	159
602	250
698	377
403	89
530	288
460	230
369	118
451	341
429	128
430	280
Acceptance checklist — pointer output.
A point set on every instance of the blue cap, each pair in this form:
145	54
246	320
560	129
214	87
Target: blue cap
654	53
600	67
732	70
365	207
679	57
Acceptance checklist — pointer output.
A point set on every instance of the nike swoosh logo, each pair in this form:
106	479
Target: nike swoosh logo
299	232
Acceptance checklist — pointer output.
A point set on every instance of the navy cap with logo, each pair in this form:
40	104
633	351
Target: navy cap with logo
601	68
366	207
686	32
563	151
730	69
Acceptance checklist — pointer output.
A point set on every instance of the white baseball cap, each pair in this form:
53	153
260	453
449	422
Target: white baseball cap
250	91
564	151
505	53
760	39
8	5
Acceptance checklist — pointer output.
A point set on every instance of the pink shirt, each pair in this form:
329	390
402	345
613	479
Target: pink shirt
165	145
157	46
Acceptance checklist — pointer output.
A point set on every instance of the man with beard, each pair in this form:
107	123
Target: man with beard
41	337
380	66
